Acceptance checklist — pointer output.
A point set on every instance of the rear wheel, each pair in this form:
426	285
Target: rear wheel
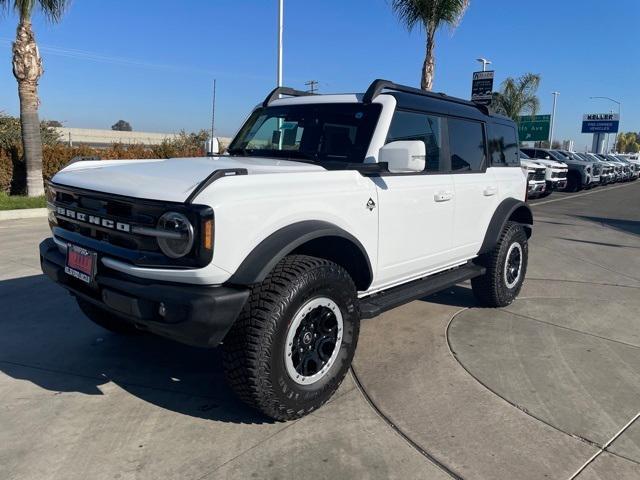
293	343
106	320
506	267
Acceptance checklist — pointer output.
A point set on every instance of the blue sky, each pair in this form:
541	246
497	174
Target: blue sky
152	63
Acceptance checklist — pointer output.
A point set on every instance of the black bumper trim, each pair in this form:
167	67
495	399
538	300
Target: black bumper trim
193	314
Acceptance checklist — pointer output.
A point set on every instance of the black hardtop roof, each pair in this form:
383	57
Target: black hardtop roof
411	98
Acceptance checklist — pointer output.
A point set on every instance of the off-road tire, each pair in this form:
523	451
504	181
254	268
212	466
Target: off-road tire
106	320
256	345
491	289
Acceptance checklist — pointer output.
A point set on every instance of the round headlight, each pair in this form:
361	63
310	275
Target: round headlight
179	239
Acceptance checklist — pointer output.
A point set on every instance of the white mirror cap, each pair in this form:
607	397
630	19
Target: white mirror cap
404	156
212	146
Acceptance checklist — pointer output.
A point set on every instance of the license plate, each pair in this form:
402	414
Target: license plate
81	263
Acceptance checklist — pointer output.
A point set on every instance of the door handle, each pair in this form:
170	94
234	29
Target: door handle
489	191
443	196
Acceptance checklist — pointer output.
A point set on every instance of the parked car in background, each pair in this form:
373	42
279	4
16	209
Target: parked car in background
625	169
556	174
614	173
630	168
617	167
582	174
634	162
536	172
607	174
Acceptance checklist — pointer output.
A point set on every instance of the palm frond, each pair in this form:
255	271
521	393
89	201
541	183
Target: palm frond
518	96
51	9
429	13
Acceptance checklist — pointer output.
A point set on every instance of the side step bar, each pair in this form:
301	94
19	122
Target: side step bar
394	297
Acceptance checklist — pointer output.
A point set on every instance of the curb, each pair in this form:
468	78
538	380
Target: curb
22	213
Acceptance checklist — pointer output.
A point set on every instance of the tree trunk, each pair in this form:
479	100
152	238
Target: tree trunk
428	68
27	68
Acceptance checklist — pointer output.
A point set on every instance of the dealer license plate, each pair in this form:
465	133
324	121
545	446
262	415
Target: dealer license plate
81	263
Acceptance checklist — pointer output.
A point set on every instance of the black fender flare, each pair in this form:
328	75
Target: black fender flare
501	216
264	257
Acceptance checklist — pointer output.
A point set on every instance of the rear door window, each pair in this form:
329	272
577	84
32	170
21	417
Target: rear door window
467	145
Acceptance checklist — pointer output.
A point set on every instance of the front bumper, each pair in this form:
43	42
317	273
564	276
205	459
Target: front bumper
192	314
556	184
536	188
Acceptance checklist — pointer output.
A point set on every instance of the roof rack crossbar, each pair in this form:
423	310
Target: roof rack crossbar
377	86
276	92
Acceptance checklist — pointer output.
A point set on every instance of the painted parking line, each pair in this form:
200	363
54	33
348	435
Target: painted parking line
569	197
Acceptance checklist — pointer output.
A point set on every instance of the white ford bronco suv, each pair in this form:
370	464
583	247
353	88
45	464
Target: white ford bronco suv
326	209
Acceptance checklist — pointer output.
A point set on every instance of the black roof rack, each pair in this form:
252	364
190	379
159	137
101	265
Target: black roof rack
276	92
377	86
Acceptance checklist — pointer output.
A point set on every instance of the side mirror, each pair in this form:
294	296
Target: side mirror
212	147
404	156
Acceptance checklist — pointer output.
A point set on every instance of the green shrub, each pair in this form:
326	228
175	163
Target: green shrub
56	155
6	172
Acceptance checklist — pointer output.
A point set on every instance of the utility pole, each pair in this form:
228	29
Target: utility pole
280	27
313	86
553	118
213	110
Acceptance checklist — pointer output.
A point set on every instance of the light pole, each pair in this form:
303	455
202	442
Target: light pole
553	117
484	62
619	104
280	26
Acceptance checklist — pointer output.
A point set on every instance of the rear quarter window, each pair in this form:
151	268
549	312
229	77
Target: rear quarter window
503	145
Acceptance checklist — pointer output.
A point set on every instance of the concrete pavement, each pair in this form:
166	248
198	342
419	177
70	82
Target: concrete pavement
441	389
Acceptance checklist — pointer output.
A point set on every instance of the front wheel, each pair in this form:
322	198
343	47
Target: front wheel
295	339
506	266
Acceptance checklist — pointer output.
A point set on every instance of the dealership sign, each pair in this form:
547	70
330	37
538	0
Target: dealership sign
482	87
534	128
600	122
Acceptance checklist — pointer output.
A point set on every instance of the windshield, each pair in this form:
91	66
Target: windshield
555	155
320	133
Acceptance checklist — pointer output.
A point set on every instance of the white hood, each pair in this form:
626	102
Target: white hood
551	163
169	180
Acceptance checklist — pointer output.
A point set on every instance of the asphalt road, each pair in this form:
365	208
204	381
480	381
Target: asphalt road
546	388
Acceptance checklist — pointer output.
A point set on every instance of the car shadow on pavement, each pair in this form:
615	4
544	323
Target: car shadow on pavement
629	226
456	296
46	340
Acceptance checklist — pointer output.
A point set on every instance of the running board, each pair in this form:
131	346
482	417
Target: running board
394	297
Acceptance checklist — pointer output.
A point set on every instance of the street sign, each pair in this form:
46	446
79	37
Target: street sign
534	128
600	123
482	87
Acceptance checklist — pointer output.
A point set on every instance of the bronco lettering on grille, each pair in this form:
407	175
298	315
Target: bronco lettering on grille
93	219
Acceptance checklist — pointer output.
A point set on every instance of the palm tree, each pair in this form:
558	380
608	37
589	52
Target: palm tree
27	68
517	96
430	15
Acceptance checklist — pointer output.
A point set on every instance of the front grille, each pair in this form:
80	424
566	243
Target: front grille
539	174
559	175
105	223
112	208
